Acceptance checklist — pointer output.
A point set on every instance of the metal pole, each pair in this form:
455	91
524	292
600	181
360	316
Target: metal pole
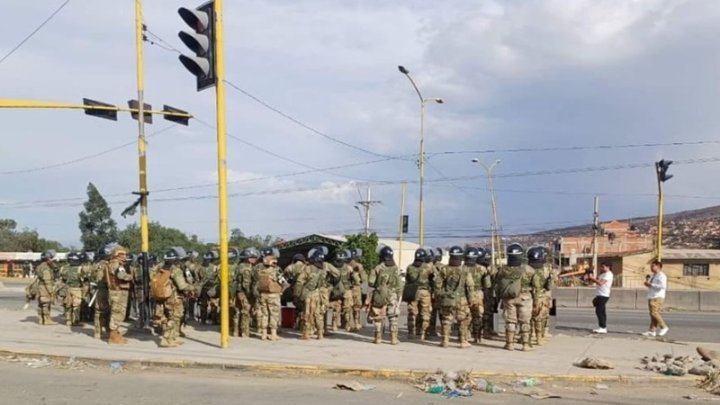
596	230
421	221
402	214
367	212
659	222
222	176
142	162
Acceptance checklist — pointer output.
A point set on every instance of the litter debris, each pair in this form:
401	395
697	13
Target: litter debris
711	383
679	366
39	363
116	367
354	386
527	382
455	384
593	363
601	387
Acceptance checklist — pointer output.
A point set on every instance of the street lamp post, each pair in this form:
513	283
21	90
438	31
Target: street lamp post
421	159
495	238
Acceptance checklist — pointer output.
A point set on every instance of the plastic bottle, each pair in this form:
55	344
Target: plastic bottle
484	385
527	382
435	389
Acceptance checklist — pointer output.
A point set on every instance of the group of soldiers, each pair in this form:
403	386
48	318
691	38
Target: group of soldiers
463	294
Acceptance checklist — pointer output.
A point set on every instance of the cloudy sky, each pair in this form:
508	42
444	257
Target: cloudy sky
533	75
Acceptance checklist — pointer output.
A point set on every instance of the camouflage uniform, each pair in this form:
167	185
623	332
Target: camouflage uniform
357	292
417	295
101	305
387	288
455	288
73	278
46	292
208	305
311	279
292	272
243	283
518	310
543	302
267	287
482	281
491	303
172	308
343	295
191	272
435	296
119	281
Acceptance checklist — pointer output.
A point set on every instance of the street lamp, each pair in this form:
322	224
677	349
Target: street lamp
495	238
421	159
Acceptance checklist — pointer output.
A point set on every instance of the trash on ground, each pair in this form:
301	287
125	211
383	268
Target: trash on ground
711	383
39	363
680	365
455	384
527	382
601	387
116	367
593	363
354	386
536	393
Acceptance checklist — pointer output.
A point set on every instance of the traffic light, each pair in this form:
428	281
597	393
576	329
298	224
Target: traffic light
100	113
405	220
176	118
133	104
662	167
201	42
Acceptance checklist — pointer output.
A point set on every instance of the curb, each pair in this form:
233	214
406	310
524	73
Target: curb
403	375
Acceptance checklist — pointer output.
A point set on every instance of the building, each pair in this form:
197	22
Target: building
615	239
686	269
12	264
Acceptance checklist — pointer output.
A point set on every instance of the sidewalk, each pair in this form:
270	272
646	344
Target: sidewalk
341	353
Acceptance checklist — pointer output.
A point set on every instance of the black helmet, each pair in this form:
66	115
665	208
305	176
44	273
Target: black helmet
211	255
174	254
298	257
355	253
456	251
269	251
48	255
87	257
386	253
421	254
342	255
438	252
536	254
472	253
74	258
515	249
317	254
233	254
251	252
482	254
103	253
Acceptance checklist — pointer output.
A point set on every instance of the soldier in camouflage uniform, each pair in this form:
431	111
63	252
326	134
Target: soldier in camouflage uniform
192	274
73	277
455	288
435	314
343	289
292	271
172	307
244	291
312	277
481	280
355	255
267	287
208	277
99	299
491	302
45	273
537	259
118	279
517	286
417	293
384	302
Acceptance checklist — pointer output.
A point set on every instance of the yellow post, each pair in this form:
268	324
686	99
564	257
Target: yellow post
661	201
402	214
222	176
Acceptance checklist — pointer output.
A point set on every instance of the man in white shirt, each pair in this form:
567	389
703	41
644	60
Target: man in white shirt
657	285
604	282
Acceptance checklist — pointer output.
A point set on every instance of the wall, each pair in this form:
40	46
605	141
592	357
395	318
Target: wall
631	298
637	267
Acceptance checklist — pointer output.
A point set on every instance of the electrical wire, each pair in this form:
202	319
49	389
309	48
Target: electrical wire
35	31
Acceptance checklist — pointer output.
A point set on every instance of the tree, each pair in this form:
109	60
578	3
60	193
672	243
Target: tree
368	244
239	240
12	240
161	239
97	228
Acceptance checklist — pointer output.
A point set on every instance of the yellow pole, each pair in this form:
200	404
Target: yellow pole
222	176
421	215
659	222
402	214
142	158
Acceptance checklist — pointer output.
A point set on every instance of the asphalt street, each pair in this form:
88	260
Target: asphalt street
684	326
29	381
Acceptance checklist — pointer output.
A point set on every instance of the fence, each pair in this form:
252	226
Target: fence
631	298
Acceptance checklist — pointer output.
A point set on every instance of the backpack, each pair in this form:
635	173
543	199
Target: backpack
32	291
453	288
161	286
509	284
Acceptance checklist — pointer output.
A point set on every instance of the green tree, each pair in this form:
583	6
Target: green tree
97	228
161	239
368	244
239	240
12	240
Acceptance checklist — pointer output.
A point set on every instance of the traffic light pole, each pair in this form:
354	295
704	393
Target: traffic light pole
402	216
222	176
661	201
142	164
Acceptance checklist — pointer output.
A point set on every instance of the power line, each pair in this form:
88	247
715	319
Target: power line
27	38
83	158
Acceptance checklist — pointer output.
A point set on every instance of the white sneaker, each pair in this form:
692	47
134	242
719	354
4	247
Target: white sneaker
650	333
600	331
663	331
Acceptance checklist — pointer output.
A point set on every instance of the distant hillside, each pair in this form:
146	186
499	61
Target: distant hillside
694	229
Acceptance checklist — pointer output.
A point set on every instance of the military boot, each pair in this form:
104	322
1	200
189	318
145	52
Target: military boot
273	335
48	320
167	343
263	334
97	334
538	335
115	338
445	336
526	345
306	333
464	344
509	341
320	334
378	337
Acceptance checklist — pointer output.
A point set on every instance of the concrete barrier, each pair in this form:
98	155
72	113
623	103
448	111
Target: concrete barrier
631	298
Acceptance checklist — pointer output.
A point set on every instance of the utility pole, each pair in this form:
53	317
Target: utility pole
367	204
596	232
661	169
403	223
495	242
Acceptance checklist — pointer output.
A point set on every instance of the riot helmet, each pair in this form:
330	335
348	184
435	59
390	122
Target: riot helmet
472	254
174	254
438	255
233	255
270	251
429	254
74	258
298	257
342	257
456	255
356	253
420	256
536	256
515	253
316	255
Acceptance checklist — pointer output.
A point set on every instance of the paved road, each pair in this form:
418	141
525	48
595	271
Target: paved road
83	384
684	326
